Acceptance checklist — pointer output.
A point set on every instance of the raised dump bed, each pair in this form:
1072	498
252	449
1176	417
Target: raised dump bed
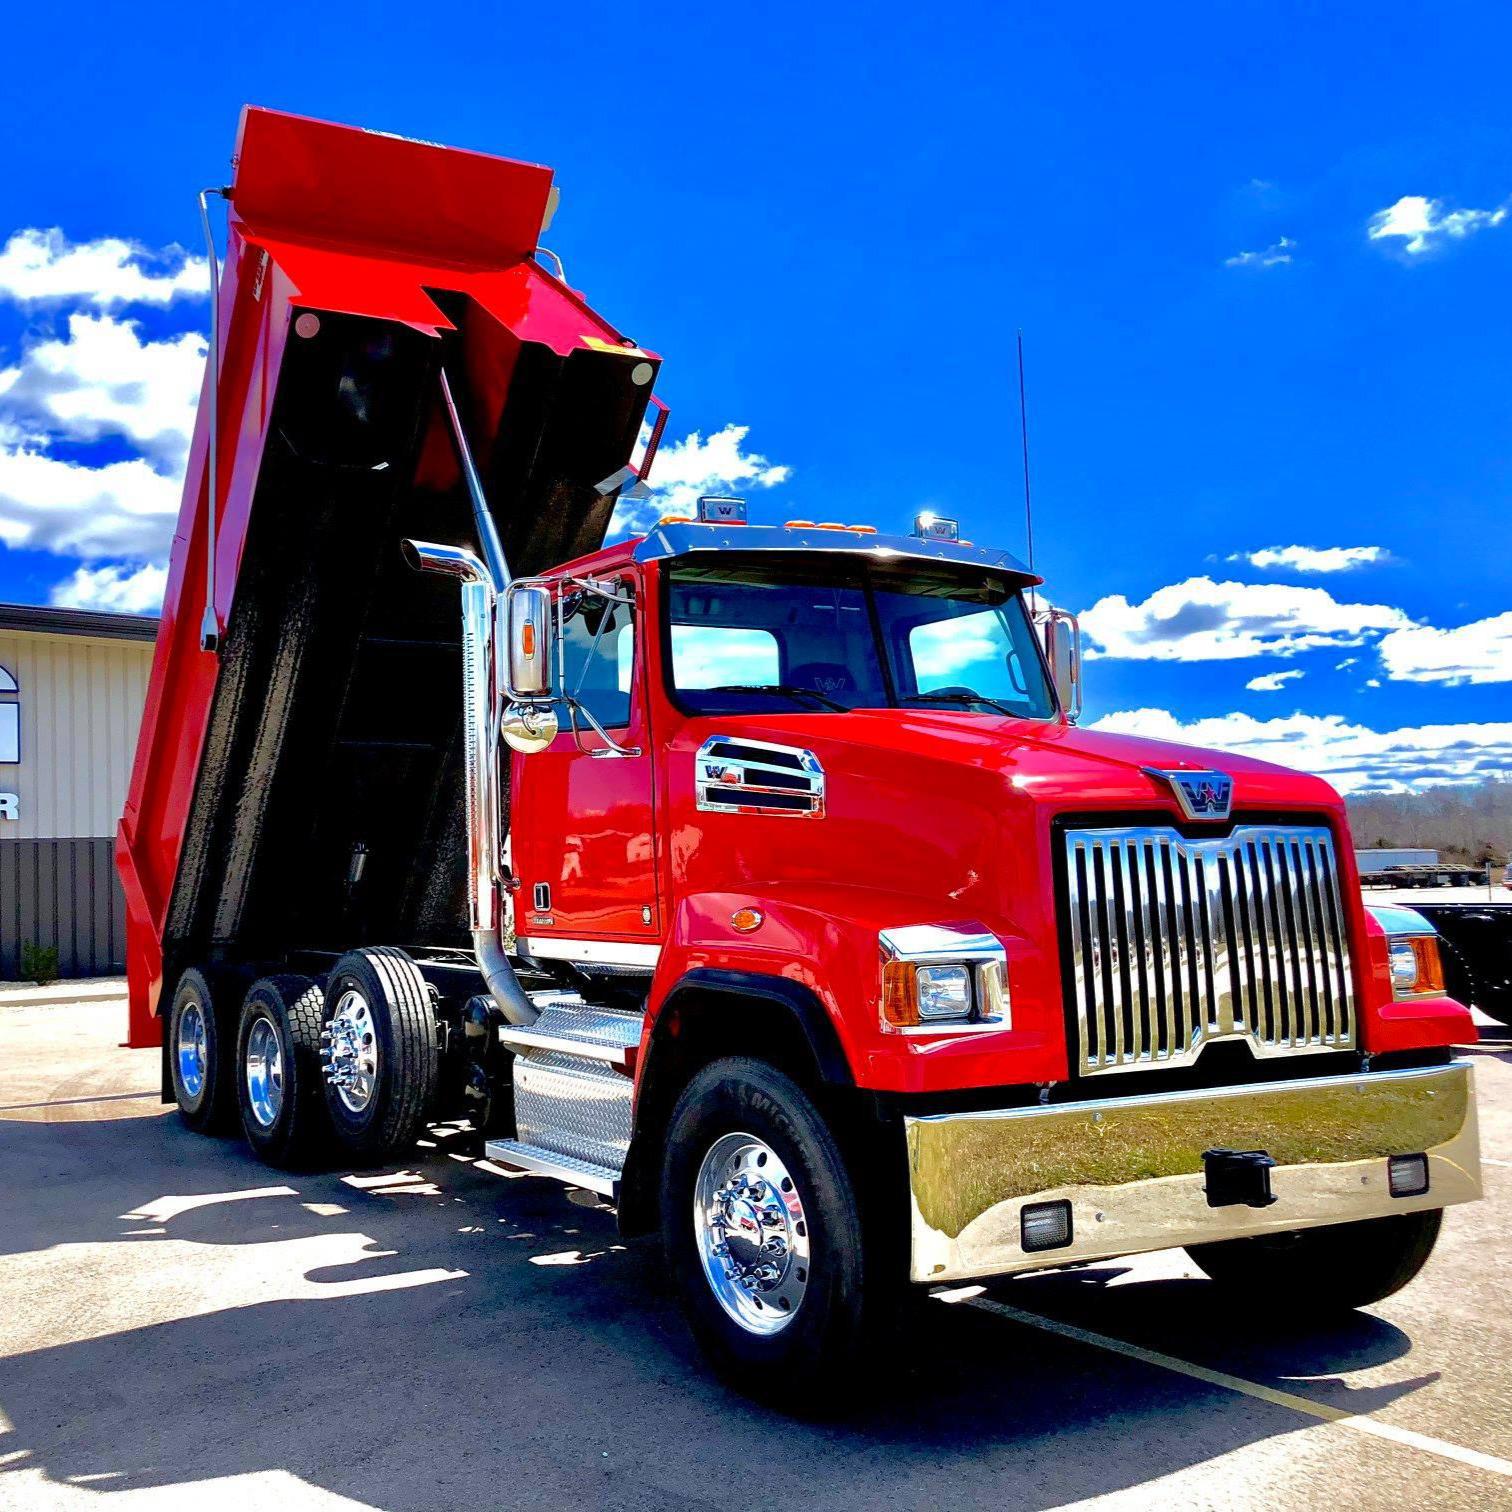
297	779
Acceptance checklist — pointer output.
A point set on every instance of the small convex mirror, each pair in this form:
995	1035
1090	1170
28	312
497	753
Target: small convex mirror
529	642
529	727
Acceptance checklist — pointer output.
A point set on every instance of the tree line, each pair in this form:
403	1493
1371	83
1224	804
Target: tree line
1469	824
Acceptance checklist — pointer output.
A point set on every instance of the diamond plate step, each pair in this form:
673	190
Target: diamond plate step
539	1162
575	1028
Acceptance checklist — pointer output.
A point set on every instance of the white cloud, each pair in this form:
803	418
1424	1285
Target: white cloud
1348	661
122	590
123	510
105	380
1351	756
1421	223
692	467
1201	620
1277	252
1480	652
1273	682
45	267
1312	558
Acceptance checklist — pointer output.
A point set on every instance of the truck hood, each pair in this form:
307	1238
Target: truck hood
1044	763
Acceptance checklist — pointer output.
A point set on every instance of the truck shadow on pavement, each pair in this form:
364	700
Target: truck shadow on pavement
172	1312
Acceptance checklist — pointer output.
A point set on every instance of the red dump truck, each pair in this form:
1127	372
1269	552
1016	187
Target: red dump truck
755	877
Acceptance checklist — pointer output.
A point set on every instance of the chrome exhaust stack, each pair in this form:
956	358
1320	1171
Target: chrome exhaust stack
483	583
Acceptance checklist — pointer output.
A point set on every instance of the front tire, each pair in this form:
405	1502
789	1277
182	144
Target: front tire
763	1234
381	1052
278	1071
201	1058
1331	1269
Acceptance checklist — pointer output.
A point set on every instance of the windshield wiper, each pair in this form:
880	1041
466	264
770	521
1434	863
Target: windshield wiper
959	698
798	694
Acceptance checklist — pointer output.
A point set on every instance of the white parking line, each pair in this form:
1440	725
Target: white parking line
1359	1422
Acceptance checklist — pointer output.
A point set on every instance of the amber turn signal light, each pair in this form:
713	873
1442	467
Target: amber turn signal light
900	998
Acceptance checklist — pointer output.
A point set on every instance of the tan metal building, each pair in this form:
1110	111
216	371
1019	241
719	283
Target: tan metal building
72	685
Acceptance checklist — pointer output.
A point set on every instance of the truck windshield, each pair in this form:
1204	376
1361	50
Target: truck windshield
757	634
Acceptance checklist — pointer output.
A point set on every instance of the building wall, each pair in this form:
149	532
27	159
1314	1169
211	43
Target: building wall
80	701
64	894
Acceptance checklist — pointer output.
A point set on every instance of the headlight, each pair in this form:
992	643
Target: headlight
1417	970
943	977
943	991
1412	950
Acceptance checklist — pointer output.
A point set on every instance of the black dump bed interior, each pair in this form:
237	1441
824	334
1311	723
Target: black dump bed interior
329	807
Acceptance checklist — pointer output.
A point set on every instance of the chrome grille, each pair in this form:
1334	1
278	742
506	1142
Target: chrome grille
1176	943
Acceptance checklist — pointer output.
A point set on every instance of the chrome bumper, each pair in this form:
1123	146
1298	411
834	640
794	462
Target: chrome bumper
1132	1168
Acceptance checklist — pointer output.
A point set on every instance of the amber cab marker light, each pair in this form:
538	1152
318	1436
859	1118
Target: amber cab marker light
677	520
798	524
747	919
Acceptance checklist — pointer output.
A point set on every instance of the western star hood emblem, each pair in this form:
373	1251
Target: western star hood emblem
1202	795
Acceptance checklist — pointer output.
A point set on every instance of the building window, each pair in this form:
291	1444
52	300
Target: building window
10	721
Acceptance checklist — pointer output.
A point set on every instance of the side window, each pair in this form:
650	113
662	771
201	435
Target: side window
598	649
10	720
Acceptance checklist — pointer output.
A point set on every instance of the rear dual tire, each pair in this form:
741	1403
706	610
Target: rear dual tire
278	1085
201	1049
382	1052
356	1065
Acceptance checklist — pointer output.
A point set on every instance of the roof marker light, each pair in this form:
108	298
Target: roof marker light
929	526
863	529
714	510
830	525
798	524
677	520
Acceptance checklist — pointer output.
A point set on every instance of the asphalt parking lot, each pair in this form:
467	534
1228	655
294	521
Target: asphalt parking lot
180	1325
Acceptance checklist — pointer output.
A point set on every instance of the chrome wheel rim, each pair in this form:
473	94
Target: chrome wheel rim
753	1237
352	1068
191	1048
265	1080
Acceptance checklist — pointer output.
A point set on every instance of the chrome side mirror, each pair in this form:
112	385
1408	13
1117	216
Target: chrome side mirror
529	727
1063	651
529	640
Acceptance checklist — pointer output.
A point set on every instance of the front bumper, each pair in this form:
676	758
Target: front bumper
1132	1167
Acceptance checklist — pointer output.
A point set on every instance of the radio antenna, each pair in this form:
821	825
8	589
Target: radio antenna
1028	504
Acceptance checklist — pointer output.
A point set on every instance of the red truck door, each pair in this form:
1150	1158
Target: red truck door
582	833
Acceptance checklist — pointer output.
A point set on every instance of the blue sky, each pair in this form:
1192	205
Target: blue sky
831	226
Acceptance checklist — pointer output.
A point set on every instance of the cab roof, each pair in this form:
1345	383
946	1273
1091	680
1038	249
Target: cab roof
684	539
